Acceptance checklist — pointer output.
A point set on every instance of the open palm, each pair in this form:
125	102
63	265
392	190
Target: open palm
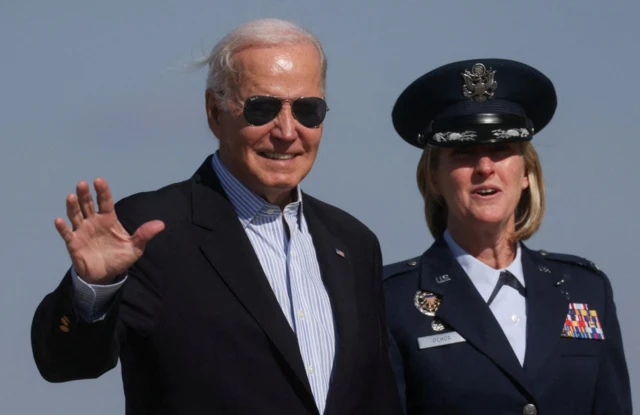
99	246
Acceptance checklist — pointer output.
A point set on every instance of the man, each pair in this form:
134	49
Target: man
231	292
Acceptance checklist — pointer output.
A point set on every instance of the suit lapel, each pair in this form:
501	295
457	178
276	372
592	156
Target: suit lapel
463	309
546	309
337	275
231	254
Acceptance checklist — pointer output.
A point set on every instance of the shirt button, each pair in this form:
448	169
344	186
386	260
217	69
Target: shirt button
270	211
529	409
310	370
301	314
515	318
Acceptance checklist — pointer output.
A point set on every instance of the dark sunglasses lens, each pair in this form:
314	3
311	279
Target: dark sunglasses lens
310	111
259	110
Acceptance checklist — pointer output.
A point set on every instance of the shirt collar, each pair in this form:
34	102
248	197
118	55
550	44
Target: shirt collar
247	204
483	276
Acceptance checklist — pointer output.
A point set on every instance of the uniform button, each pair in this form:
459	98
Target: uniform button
310	370
300	313
529	409
515	318
270	211
412	262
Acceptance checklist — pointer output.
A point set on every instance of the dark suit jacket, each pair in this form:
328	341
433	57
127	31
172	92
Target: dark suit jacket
561	376
198	329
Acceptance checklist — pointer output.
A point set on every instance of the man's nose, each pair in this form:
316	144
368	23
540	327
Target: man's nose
285	124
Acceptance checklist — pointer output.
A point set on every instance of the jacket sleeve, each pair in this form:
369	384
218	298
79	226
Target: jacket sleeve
613	391
398	369
66	347
386	393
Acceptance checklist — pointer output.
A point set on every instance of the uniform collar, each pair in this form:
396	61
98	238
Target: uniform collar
483	276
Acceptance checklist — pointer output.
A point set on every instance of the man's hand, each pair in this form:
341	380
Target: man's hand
99	246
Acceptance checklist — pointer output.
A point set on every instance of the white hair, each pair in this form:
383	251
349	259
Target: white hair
255	33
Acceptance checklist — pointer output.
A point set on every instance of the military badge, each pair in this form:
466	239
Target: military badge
443	278
437	325
427	303
542	268
582	323
479	83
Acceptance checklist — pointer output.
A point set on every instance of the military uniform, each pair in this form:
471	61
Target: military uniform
451	353
438	373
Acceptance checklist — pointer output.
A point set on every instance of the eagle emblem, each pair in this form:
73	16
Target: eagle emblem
479	83
427	303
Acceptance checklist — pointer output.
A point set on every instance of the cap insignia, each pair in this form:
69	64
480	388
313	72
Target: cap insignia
511	133
454	136
479	83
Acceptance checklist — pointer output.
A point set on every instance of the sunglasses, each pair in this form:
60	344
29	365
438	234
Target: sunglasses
261	109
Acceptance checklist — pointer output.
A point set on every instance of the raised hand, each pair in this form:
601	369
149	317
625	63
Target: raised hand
99	246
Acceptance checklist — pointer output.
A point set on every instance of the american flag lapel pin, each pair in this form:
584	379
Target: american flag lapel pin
339	252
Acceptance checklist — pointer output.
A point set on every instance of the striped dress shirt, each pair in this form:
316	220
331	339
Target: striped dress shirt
291	266
283	245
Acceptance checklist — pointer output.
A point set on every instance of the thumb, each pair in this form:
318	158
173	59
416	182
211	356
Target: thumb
145	233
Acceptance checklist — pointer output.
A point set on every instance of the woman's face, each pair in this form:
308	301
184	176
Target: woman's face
481	184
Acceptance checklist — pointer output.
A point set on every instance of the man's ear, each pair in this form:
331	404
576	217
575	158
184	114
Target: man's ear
212	106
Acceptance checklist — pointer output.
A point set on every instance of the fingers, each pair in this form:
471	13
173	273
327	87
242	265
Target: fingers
64	231
145	233
105	200
85	199
73	211
80	206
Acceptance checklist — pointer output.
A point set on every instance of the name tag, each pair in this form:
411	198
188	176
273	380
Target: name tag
439	340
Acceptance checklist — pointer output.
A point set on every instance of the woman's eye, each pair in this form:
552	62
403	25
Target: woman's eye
462	153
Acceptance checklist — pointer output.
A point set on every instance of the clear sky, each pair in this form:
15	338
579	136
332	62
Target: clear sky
96	89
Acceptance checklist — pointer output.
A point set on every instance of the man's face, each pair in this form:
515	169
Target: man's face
270	159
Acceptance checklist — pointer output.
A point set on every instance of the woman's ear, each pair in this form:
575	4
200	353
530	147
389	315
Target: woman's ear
525	180
435	187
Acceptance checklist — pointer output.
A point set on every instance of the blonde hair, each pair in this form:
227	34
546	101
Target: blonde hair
530	209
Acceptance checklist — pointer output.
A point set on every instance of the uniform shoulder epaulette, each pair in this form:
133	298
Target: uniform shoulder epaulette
401	267
571	259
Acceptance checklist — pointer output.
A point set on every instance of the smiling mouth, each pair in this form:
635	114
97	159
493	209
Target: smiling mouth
276	156
486	192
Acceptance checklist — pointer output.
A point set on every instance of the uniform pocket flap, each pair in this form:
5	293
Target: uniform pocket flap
580	347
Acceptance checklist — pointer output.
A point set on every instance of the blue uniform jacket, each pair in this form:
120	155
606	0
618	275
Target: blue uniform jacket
560	376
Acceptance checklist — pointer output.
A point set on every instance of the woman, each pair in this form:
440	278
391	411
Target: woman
480	324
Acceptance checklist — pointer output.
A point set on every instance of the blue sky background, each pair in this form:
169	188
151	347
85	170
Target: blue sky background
95	88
